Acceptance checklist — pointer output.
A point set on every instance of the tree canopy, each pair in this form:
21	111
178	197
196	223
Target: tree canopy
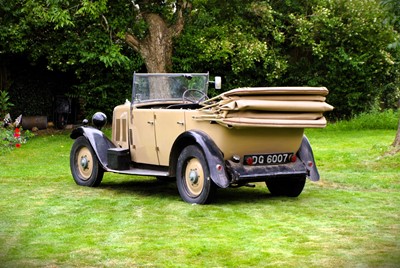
343	45
347	46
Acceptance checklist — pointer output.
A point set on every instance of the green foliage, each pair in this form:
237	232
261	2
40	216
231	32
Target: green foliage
343	45
393	8
11	134
5	103
11	137
387	119
235	42
106	89
7	139
80	37
32	100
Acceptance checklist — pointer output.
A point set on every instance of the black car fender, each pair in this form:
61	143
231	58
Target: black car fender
306	155
213	155
99	142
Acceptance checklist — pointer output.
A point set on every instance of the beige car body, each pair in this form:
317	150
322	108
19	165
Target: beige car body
269	120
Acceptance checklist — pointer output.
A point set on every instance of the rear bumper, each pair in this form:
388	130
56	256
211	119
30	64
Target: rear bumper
240	173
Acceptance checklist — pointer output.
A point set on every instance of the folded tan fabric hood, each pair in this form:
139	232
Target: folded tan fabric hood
298	107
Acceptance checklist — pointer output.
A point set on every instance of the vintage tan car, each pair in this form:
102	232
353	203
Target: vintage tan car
170	129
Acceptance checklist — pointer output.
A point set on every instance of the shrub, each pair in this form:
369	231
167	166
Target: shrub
387	119
12	136
5	103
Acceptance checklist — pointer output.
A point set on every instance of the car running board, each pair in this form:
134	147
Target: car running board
141	172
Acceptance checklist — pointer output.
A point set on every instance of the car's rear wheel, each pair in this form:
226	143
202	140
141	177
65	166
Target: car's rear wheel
289	186
193	176
85	167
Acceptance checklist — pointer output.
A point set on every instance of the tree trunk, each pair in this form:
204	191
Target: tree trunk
396	142
156	47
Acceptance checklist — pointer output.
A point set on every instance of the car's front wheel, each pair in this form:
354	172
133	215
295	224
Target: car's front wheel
193	176
290	186
85	167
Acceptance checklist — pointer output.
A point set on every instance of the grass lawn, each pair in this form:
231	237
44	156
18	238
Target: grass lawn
351	218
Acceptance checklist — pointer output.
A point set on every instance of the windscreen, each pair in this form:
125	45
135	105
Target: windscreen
158	87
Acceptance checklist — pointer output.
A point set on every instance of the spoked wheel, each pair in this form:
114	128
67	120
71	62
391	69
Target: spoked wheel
291	187
193	176
85	166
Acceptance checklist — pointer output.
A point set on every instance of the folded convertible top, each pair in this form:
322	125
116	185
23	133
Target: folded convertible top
323	91
298	107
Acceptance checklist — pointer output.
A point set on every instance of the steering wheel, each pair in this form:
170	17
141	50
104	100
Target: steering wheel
185	97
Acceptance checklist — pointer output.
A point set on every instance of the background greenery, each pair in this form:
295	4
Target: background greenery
348	219
351	47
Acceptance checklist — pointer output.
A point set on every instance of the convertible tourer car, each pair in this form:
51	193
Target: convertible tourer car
171	129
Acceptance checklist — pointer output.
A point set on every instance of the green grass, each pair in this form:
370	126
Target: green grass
351	218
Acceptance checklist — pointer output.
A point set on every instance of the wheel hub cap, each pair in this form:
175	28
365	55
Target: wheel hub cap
193	176
84	162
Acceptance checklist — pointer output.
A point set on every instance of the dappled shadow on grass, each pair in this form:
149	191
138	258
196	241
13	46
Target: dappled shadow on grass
246	195
151	187
145	187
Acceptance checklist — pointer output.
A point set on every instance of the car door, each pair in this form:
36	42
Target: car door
169	124
143	139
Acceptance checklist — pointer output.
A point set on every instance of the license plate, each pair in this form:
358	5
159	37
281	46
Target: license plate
267	159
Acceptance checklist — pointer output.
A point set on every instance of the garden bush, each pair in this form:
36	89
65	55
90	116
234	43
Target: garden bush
373	120
11	134
12	137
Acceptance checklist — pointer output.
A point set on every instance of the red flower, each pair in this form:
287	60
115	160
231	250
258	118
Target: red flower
18	145
17	133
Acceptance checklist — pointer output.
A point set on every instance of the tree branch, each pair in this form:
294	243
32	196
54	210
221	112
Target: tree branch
106	27
181	7
132	41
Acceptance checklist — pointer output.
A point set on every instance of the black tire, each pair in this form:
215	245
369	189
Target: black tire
193	177
291	187
85	167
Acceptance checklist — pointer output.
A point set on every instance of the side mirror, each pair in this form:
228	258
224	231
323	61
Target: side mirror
218	82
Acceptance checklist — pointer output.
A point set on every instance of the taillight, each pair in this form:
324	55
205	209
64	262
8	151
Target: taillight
294	158
249	161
